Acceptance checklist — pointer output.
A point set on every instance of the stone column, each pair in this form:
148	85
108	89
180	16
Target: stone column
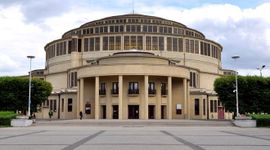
120	96
97	106
188	101
158	103
169	102
185	97
78	100
145	103
81	94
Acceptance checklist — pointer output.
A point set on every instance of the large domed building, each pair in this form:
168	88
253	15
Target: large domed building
133	67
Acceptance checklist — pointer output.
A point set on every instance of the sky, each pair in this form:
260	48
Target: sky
242	27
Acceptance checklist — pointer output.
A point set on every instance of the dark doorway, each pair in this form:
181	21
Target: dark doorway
103	111
151	111
133	111
163	111
115	112
220	112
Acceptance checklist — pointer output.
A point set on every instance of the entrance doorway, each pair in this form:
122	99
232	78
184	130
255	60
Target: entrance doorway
151	112
163	112
220	112
115	112
133	111
103	111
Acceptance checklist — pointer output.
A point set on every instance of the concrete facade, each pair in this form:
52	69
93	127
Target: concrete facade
133	67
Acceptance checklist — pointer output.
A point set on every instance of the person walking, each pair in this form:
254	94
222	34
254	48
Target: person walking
81	115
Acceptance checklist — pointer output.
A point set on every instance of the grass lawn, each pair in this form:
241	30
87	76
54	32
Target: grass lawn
263	120
5	118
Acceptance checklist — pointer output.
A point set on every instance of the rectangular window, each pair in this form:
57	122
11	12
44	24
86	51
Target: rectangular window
126	42
118	42
115	88
192	46
204	109
97	45
69	104
193	79
215	106
154	43
139	42
161	43
105	43
102	89
169	44
197	107
92	44
133	42
163	88
151	88
148	43
111	43
86	44
180	45
133	88
211	106
174	44
187	45
62	105
196	46
144	28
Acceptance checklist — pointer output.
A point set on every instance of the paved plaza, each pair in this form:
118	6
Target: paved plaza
47	136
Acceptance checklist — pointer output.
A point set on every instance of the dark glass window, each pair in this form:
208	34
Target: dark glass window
139	42
62	106
161	43
70	105
151	88
97	41
133	88
148	43
204	109
175	44
115	88
111	43
154	43
197	107
105	43
163	88
169	44
118	42
102	89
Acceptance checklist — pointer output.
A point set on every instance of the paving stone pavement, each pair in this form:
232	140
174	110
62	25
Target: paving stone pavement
69	137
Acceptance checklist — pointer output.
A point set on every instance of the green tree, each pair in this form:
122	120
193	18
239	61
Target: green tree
254	93
14	93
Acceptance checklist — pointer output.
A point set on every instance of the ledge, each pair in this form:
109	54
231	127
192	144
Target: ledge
245	123
21	122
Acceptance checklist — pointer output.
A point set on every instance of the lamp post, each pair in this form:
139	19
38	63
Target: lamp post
236	87
260	69
29	96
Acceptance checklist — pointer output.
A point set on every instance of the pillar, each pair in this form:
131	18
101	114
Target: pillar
185	97
81	94
120	96
145	103
78	100
97	106
188	101
169	102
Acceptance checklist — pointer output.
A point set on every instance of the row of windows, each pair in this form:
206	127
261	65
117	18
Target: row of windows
135	42
133	88
52	105
213	106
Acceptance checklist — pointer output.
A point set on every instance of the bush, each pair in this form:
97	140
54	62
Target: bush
263	120
6	117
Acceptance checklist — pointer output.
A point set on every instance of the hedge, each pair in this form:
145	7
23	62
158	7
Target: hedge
6	117
263	120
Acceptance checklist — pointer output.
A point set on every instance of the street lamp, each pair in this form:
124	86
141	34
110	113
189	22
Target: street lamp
236	87
260	69
30	77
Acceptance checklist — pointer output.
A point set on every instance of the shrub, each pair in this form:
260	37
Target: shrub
6	117
263	120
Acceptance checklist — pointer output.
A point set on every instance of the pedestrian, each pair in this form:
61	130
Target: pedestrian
34	117
81	115
50	114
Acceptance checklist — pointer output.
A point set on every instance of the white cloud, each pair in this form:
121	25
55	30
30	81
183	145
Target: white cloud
241	31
